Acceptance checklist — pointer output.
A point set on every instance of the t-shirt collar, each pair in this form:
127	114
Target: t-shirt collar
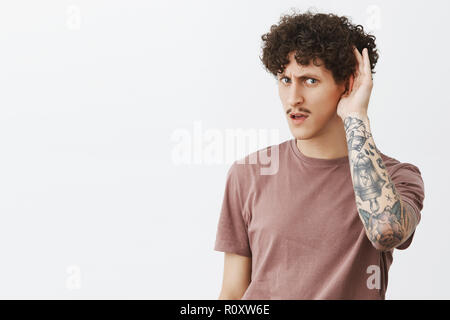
317	161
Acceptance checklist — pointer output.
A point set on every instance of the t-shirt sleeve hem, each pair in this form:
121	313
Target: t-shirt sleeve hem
414	206
406	244
231	247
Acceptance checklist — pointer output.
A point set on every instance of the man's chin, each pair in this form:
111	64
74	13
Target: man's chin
300	134
303	137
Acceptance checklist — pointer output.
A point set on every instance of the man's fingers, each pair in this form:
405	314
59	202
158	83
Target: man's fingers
359	59
368	69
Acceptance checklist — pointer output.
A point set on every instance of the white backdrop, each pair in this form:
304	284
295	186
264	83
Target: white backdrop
95	201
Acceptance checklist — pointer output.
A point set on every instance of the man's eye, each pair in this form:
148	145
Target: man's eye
281	79
315	81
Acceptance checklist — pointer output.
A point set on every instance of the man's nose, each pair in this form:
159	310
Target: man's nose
295	96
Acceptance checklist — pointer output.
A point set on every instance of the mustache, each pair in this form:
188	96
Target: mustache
289	110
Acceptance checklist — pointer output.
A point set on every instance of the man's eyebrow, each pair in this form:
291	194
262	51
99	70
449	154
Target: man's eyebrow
305	75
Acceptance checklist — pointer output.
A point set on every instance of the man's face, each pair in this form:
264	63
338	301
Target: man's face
311	90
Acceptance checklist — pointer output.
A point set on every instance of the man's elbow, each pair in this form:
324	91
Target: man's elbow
388	243
383	247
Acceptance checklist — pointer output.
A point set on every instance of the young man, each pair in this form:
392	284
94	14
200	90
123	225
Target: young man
325	225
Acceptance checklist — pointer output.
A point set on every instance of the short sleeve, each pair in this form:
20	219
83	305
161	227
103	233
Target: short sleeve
408	182
232	234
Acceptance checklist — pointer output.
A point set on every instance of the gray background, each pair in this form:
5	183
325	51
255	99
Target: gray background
93	203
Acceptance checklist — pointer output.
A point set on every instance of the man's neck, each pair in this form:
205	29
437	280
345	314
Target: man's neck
329	144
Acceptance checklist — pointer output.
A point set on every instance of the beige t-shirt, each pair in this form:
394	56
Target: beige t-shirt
302	229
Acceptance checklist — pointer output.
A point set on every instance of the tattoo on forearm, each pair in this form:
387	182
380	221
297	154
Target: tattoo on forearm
356	133
366	181
380	163
386	218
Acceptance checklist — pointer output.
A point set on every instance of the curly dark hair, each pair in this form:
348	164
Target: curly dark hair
317	35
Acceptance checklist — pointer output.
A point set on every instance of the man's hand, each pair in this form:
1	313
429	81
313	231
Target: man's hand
356	99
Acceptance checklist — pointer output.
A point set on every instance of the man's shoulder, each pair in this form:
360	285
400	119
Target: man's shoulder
256	161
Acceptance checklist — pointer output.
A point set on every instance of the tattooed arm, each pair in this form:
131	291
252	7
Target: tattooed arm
387	219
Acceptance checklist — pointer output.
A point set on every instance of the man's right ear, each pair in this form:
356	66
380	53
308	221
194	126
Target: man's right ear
349	84
346	89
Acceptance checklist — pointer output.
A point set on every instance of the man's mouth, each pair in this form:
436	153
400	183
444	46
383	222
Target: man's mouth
298	115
